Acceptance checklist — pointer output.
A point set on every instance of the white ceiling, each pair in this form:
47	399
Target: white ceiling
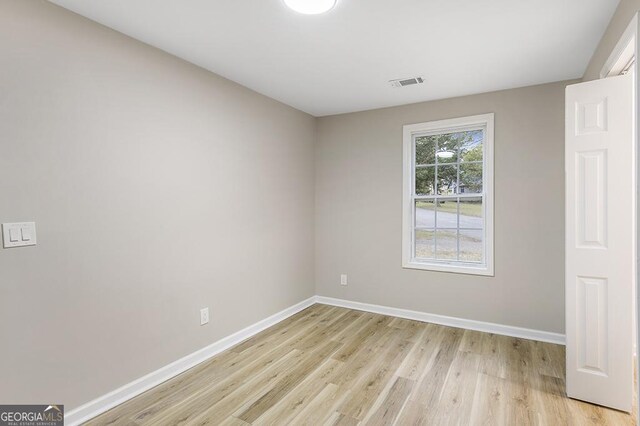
341	61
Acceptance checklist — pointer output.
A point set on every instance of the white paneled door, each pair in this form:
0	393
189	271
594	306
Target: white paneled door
600	241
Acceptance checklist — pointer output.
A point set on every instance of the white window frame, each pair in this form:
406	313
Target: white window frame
408	198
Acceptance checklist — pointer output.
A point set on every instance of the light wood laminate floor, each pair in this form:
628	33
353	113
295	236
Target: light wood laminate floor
329	365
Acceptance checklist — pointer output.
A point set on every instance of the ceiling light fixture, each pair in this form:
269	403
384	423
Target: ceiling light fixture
311	7
445	154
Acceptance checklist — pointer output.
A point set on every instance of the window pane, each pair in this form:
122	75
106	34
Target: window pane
447	179
471	211
446	244
448	193
447	214
425	150
471	245
425	214
471	146
424	244
471	178
425	180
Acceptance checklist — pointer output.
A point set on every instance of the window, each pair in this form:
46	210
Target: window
448	195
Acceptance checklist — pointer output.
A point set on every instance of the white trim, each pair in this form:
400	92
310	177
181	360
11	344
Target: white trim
135	388
624	52
143	384
487	122
487	327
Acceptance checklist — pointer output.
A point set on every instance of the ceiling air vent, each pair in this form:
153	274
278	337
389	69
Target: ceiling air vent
402	82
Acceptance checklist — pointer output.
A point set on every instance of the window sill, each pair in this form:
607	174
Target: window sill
445	267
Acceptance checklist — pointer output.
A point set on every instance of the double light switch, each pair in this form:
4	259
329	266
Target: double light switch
19	234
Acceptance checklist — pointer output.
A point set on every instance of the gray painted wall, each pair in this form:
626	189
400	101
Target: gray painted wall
359	204
158	188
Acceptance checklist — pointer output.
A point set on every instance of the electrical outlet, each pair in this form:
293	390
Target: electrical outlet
343	279
204	316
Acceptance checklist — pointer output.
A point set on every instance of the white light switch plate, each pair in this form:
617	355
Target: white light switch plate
19	234
204	316
343	279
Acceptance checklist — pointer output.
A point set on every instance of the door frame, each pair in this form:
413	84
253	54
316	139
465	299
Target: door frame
625	54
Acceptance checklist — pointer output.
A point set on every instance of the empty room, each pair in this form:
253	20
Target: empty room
318	212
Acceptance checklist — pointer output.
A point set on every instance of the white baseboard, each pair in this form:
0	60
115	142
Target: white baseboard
135	388
487	327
